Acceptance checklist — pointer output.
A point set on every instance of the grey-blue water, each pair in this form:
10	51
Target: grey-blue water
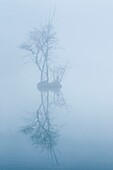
66	130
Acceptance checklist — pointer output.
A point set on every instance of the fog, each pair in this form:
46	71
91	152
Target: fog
85	32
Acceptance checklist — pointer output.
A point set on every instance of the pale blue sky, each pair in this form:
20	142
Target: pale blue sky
85	30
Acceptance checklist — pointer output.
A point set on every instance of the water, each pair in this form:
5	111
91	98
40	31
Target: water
64	130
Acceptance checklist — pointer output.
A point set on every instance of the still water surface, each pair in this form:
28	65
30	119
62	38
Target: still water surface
44	130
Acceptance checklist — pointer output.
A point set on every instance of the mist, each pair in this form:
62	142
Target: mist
85	121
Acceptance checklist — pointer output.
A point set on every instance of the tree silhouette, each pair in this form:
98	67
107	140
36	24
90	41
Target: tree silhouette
40	46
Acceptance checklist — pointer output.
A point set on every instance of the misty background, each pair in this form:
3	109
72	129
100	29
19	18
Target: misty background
85	30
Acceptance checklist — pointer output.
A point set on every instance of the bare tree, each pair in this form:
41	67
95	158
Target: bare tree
40	46
58	73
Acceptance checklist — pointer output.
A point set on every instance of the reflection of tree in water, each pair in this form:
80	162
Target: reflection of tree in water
41	129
